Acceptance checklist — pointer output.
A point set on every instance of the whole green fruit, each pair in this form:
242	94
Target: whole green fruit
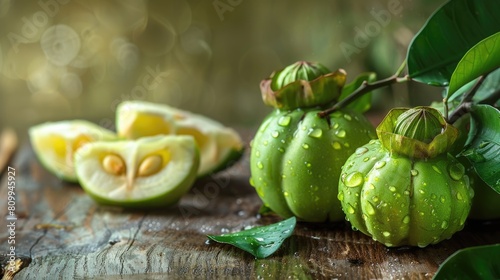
296	155
404	191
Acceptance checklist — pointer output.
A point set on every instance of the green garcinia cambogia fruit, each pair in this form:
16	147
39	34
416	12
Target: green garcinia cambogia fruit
405	188
296	155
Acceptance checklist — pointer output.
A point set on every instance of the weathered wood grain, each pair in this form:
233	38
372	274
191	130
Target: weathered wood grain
62	234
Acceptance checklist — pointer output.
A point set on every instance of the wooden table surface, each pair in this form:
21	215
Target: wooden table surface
62	234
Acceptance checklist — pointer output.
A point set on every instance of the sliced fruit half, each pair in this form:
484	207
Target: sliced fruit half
149	172
55	143
219	145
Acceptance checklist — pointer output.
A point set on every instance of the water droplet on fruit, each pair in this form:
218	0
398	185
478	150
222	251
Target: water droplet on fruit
375	198
260	165
406	219
341	133
336	145
436	169
308	164
392	188
257	153
369	209
275	134
316	133
305	146
340	196
421	244
265	143
286	194
354	179
361	150
456	171
260	192
379	164
386	233
442	199
350	209
347	117
281	149
284	121
459	196
414	172
335	126
346	145
444	225
251	182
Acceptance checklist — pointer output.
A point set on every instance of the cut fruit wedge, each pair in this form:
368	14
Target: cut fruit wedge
55	143
219	146
148	172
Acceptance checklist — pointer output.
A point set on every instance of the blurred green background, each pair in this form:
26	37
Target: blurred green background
68	59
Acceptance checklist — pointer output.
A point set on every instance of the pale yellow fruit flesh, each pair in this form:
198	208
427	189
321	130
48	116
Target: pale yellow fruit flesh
217	144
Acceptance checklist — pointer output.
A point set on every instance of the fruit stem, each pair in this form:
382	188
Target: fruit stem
461	110
445	108
363	89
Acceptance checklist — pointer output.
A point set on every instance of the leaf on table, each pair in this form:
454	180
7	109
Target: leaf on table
447	35
259	241
480	59
484	149
363	103
480	262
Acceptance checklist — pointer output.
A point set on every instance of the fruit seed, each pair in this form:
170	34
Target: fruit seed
113	164
150	165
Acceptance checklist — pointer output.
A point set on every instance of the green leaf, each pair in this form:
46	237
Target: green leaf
363	103
459	93
489	87
480	262
484	150
480	59
447	35
259	241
